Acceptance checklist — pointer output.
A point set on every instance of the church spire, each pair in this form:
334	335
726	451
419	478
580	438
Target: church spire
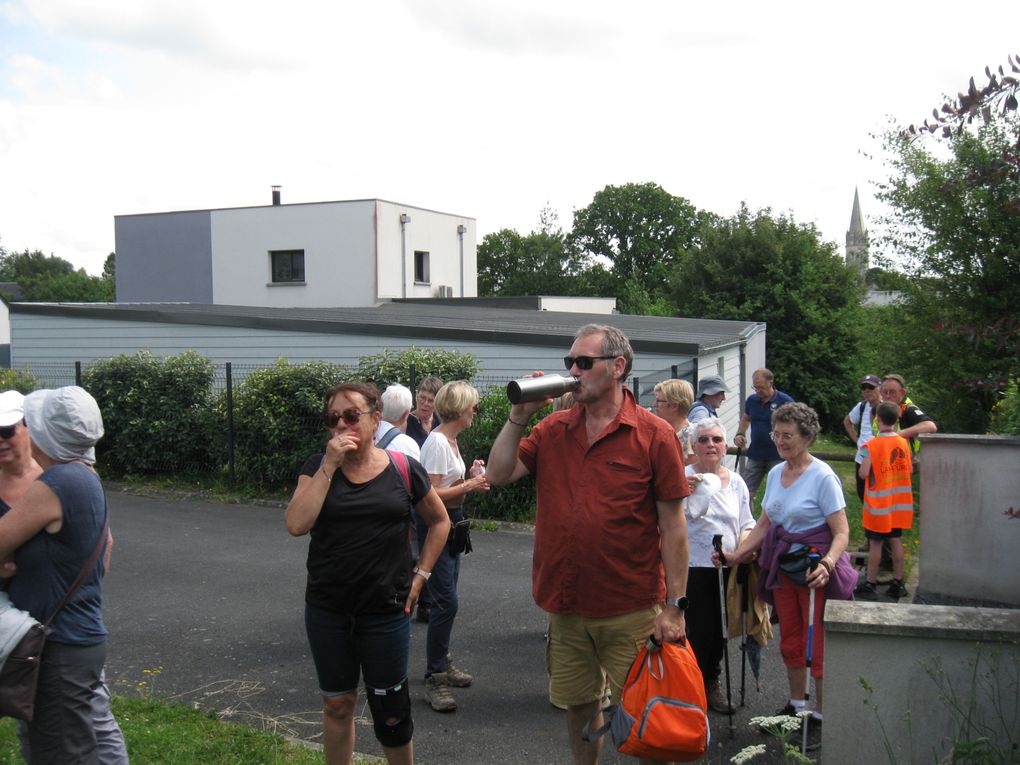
857	239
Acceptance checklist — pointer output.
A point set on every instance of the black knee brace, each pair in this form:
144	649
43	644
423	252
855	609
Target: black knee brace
391	704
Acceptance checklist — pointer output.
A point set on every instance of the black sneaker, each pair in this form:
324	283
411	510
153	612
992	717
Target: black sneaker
866	591
897	590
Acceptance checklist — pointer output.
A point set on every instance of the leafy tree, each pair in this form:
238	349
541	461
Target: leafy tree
957	223
533	264
51	279
110	268
641	230
757	267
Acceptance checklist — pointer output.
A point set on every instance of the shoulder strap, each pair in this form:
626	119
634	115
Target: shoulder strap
400	460
90	564
392	433
860	411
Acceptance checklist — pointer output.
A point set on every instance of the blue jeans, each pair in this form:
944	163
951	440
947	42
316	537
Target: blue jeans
442	596
344	647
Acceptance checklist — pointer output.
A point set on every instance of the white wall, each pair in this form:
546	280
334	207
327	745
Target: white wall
432	232
338	239
578	304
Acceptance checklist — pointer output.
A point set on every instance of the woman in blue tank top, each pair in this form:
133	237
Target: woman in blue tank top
51	532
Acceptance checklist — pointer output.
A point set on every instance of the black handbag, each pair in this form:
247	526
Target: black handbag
19	678
459	542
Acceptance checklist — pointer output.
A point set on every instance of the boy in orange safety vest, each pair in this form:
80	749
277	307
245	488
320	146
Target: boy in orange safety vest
888	506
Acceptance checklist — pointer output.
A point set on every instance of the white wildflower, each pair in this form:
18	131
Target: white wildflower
747	753
777	723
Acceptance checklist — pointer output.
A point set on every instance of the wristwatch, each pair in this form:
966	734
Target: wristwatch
681	602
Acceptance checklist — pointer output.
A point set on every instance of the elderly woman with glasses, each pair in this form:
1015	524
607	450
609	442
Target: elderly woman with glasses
803	512
355	500
720	505
457	404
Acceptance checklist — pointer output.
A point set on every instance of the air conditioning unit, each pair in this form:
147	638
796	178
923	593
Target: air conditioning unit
445	291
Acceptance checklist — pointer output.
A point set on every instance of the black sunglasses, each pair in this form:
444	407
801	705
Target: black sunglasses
865	386
7	432
583	362
713	439
349	416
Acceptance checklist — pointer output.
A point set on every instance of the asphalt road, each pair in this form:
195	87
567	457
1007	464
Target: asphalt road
204	603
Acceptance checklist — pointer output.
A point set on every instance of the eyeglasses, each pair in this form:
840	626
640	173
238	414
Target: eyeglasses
583	362
777	436
661	402
713	439
865	386
7	432
349	416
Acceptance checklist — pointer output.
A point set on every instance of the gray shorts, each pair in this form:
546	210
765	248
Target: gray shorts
62	730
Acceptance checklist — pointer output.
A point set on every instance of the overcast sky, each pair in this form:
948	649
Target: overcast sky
487	109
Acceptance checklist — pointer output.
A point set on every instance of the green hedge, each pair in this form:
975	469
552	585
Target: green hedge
157	413
390	366
515	502
278	419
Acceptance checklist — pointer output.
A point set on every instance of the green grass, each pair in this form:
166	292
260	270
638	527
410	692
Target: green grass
174	734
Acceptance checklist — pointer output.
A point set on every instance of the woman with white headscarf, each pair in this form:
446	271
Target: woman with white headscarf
52	532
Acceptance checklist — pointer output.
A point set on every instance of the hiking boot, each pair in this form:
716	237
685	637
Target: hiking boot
866	591
717	698
456	678
437	693
897	590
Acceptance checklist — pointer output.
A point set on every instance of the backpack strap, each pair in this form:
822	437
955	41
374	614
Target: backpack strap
399	459
392	433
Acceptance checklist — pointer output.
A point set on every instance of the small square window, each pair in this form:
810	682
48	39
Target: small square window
287	265
421	266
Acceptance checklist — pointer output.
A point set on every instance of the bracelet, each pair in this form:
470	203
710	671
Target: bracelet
422	573
512	421
328	476
827	564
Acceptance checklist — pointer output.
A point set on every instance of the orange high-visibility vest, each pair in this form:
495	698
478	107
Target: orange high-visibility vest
888	495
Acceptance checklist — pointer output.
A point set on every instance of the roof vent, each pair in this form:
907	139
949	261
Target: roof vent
276	196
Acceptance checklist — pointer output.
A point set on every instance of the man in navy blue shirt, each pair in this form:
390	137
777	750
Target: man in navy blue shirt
761	454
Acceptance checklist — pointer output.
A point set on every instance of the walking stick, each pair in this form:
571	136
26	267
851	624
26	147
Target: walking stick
717	544
813	558
743	576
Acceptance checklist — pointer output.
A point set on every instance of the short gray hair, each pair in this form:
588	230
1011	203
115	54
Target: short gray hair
614	343
709	423
396	400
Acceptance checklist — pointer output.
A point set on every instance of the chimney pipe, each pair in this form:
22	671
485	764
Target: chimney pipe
276	196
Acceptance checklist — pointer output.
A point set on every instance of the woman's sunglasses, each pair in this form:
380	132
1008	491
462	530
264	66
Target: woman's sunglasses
7	432
349	416
583	362
713	439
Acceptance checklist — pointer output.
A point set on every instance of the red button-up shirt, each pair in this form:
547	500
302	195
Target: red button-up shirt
596	531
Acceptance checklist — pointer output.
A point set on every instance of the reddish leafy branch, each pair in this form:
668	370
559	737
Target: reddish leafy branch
999	94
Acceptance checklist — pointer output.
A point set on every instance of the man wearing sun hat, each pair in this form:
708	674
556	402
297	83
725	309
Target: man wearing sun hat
858	423
712	392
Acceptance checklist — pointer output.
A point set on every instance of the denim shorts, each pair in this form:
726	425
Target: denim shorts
345	647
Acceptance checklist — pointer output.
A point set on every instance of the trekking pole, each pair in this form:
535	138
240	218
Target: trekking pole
813	558
717	544
743	577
